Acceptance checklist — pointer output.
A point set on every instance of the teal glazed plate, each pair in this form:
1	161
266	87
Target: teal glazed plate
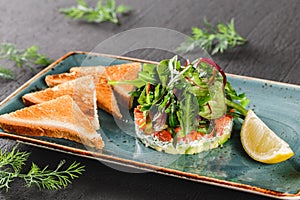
277	104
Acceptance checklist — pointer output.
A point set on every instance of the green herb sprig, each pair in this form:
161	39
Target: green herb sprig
28	57
101	13
11	164
213	40
6	73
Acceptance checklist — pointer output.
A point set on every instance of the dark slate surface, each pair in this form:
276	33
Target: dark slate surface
271	26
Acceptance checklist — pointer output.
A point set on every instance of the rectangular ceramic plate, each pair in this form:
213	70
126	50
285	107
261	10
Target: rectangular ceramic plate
277	104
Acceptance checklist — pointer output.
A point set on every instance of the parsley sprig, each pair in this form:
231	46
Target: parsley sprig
28	57
11	164
213	40
101	13
6	73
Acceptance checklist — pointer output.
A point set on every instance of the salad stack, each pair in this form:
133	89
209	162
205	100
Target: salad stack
185	109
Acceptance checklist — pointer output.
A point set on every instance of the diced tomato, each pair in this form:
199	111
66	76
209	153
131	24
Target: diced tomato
148	88
221	123
194	135
164	135
187	62
177	129
139	118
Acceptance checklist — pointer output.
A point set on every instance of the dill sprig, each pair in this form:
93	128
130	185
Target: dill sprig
11	164
213	40
101	13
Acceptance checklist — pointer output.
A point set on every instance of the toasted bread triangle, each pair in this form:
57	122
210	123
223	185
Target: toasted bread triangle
75	72
56	79
57	118
106	95
127	71
82	90
106	99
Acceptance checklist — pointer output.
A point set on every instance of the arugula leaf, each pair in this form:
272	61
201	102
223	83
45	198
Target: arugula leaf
173	121
11	164
233	100
232	95
188	112
211	40
101	13
163	72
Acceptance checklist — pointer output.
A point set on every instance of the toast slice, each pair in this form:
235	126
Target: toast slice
75	72
107	97
56	79
127	71
57	118
82	90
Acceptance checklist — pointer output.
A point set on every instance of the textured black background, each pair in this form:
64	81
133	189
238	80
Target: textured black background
272	28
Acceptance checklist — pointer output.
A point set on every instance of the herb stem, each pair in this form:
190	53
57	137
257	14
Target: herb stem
236	106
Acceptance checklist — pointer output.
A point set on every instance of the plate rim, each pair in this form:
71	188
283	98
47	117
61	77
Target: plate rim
135	164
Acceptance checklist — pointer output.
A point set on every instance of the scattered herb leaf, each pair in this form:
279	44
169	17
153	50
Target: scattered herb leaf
28	57
11	164
212	40
6	73
101	13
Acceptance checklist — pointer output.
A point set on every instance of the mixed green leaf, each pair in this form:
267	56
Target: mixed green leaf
213	40
101	13
11	164
188	97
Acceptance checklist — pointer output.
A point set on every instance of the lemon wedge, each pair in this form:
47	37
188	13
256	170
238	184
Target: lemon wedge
261	143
